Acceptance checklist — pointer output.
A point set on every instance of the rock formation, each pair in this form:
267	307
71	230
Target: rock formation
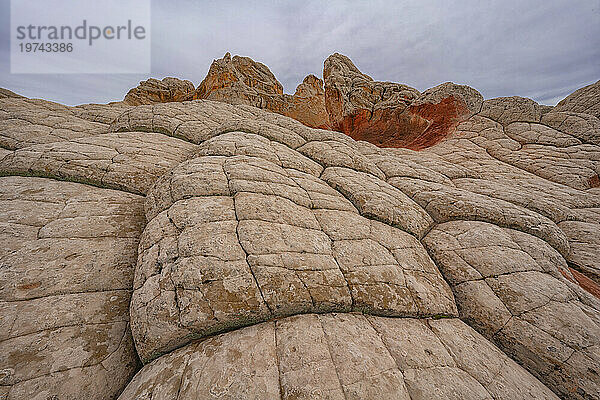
240	80
391	114
5	93
585	100
154	91
199	249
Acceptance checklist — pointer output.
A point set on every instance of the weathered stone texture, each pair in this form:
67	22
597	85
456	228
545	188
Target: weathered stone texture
247	255
240	239
339	356
391	114
510	287
154	91
5	93
67	268
240	80
585	100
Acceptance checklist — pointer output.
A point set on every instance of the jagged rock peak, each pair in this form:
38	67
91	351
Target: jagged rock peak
310	86
344	83
241	80
238	73
339	62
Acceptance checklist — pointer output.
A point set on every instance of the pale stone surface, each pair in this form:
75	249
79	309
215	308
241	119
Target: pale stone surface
235	239
580	125
339	356
379	200
129	161
103	113
584	100
255	223
67	267
508	285
25	122
585	246
506	110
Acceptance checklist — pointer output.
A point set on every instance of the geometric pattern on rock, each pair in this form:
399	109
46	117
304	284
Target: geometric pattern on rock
239	253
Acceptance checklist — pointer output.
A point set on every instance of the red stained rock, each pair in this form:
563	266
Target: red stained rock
443	117
390	114
416	128
582	280
386	114
33	285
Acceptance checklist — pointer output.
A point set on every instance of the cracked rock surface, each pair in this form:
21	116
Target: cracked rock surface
67	261
199	249
340	356
584	100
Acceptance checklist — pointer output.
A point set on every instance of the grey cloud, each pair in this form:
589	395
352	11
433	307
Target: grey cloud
538	49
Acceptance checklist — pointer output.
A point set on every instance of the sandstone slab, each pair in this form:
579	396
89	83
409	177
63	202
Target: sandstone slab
339	356
67	268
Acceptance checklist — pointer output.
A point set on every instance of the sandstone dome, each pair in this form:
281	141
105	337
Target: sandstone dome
355	240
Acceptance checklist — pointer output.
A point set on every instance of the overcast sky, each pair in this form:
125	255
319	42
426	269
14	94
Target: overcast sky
543	49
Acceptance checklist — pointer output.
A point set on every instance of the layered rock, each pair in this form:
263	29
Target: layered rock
266	259
154	91
307	104
240	80
391	114
509	286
